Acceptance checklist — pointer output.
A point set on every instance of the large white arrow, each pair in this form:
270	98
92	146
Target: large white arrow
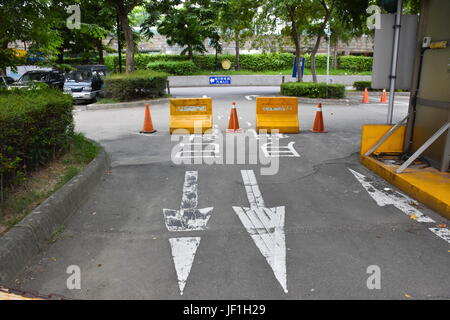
265	226
188	217
385	196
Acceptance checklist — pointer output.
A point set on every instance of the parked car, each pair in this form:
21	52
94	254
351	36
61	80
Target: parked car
54	78
6	81
85	83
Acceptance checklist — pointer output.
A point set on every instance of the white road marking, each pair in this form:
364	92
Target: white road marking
385	197
443	233
265	226
183	253
251	97
188	217
268	136
280	151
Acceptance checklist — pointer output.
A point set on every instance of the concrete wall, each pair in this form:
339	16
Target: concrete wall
257	80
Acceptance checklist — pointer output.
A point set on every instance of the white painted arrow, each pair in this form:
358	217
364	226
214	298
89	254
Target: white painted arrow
188	217
265	226
183	253
386	196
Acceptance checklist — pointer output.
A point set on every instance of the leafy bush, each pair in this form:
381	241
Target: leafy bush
35	126
356	63
137	85
313	90
361	85
173	67
251	62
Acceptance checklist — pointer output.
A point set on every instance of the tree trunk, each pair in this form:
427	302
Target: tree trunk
313	58
190	52
335	57
296	38
238	56
319	37
128	35
101	59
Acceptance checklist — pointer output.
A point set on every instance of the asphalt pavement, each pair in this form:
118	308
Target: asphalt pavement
309	231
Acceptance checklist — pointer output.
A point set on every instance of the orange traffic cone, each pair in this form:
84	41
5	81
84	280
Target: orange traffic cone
233	124
383	96
318	122
365	98
148	125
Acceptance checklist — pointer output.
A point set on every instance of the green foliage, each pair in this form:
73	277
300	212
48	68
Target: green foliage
173	67
137	85
313	90
361	85
251	62
356	63
35	126
185	23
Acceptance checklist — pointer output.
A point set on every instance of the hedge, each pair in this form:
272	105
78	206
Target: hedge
173	67
35	126
313	90
137	85
356	63
361	85
251	62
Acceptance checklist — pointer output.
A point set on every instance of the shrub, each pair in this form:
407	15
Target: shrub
173	67
361	85
137	85
356	63
313	90
35	126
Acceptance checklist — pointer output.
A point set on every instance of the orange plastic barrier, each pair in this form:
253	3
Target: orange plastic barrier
189	113
277	113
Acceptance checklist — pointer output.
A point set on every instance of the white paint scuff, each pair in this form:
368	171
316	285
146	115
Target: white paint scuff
265	226
183	253
188	217
387	196
442	233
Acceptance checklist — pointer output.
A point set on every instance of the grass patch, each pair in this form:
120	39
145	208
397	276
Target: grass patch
112	100
42	183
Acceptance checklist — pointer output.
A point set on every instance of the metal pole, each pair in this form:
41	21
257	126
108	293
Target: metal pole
328	61
119	47
393	75
328	33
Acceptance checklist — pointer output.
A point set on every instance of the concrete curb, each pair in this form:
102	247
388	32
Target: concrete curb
133	104
30	236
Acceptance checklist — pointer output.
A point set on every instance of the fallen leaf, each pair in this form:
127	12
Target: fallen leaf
407	296
413	216
442	225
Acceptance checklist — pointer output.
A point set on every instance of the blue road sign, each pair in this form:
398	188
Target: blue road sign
220	80
294	67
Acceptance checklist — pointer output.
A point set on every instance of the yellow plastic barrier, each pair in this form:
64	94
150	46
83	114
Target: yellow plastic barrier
277	113
188	113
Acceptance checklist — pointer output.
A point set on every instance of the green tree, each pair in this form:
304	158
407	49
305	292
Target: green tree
123	8
235	21
185	23
32	22
292	16
352	15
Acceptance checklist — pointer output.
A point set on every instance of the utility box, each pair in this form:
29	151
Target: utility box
429	108
382	56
